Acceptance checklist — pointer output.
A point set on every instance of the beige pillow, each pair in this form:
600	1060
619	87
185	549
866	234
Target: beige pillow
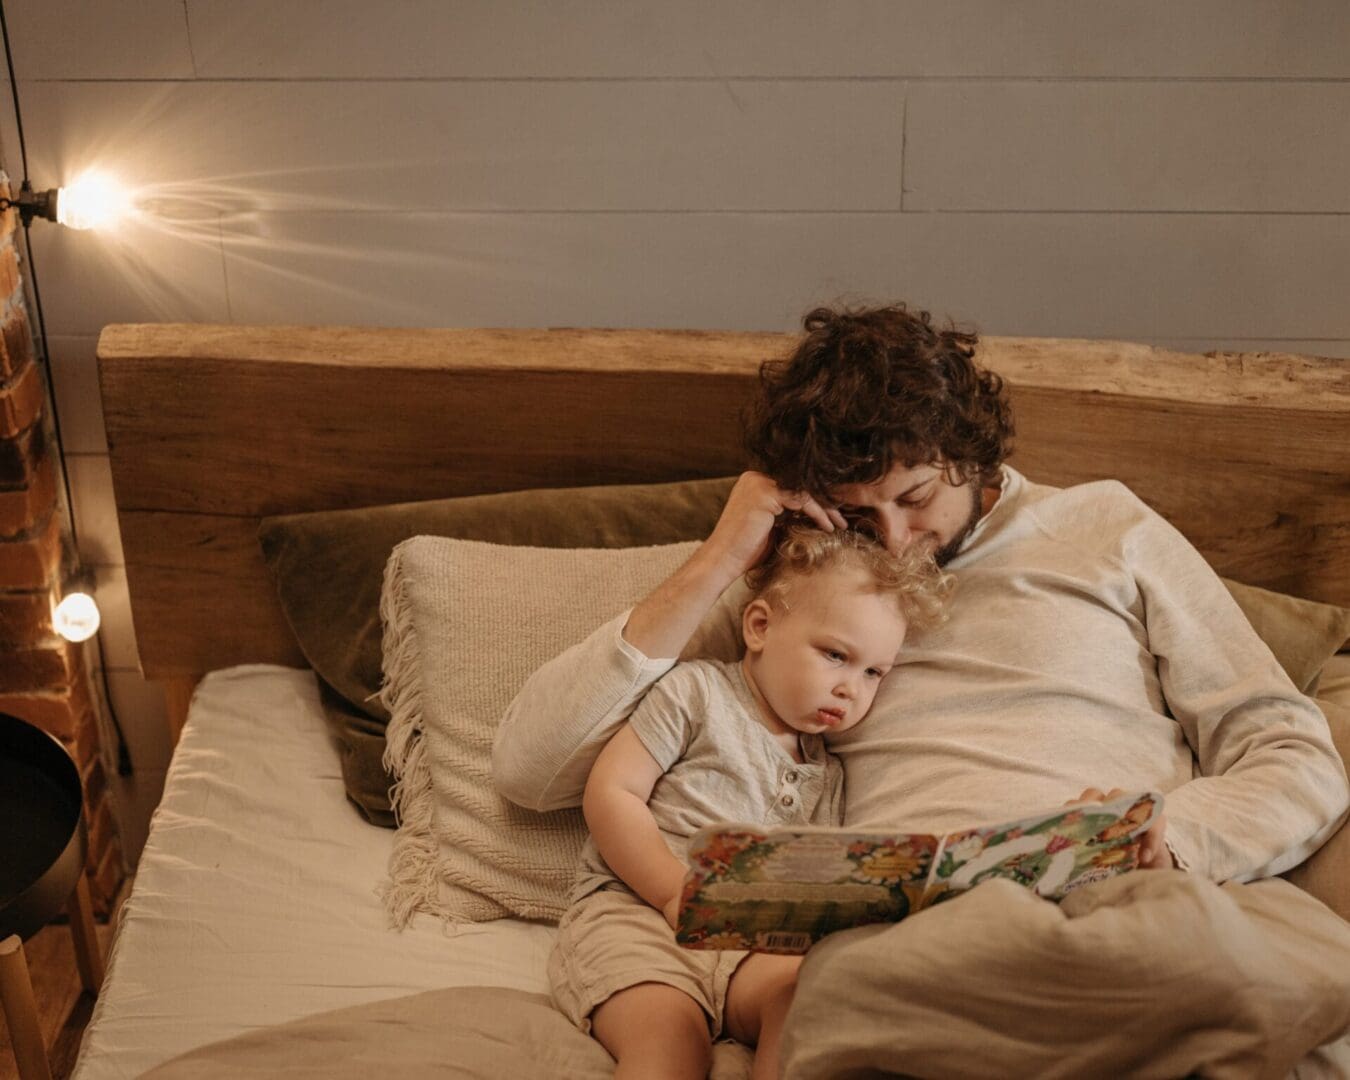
465	623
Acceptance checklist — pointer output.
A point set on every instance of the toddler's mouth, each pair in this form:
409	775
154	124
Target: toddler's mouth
830	717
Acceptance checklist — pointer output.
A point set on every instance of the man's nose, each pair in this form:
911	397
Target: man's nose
896	532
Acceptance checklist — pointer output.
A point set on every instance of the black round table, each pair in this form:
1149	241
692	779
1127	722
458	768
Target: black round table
42	852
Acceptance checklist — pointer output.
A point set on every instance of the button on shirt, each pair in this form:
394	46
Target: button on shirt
700	723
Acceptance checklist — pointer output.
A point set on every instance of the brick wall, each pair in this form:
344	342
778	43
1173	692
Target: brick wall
43	678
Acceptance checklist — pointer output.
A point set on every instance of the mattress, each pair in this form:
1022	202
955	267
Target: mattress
255	901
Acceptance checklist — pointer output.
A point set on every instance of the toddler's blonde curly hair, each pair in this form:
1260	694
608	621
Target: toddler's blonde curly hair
912	579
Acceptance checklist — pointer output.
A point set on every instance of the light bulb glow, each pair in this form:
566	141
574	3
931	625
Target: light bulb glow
76	617
94	201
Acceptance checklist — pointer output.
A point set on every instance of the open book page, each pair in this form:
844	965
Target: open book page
780	890
1051	853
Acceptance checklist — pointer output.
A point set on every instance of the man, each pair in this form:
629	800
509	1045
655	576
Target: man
1088	643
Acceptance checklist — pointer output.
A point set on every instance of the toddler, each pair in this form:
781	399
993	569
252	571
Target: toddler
713	741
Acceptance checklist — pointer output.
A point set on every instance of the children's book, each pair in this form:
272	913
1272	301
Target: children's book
781	890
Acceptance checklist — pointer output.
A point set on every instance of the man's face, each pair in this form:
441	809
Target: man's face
915	505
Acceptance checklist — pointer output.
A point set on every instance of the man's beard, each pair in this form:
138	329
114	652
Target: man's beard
948	551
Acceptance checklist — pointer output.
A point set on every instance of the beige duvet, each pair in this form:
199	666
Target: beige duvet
996	984
1003	984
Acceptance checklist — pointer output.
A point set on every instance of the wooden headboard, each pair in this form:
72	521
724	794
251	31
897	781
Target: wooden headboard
211	428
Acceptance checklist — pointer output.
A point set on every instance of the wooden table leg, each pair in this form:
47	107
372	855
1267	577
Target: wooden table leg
88	955
16	996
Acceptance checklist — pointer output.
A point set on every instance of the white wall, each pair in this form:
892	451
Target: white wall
1163	171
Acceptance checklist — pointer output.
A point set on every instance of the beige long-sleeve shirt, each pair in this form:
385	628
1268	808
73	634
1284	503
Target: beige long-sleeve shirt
1088	644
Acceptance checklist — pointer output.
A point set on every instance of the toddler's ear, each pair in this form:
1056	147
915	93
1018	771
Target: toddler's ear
754	623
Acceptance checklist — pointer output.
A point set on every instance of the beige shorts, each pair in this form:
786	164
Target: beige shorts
612	940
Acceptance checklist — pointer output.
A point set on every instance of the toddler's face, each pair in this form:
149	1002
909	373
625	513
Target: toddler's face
818	664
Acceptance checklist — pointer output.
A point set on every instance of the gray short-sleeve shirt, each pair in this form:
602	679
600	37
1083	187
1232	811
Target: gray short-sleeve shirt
700	724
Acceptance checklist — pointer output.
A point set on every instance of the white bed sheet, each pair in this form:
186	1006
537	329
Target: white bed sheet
254	902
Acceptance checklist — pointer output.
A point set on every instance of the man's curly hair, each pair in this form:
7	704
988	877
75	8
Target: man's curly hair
868	388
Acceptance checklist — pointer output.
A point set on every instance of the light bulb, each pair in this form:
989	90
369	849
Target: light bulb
76	617
94	201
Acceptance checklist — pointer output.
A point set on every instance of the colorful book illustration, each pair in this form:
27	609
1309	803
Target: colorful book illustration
781	890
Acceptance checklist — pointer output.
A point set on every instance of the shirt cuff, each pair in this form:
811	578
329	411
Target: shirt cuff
1177	860
642	664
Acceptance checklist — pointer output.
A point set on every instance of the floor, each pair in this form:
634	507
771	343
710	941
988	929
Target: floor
63	1006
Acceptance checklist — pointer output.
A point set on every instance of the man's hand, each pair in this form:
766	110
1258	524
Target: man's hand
1153	851
663	622
741	537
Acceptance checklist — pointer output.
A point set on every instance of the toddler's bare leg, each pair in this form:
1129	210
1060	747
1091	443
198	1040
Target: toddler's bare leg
653	1030
757	1001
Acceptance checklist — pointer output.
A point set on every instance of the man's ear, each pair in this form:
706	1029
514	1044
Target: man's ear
754	622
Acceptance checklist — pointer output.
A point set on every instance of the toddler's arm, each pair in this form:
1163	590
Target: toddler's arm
615	805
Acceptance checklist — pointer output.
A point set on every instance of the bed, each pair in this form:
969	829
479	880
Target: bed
256	899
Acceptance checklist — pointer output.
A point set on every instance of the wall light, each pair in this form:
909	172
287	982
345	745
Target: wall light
93	201
76	618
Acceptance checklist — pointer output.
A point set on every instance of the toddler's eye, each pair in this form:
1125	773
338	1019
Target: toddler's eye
833	654
875	673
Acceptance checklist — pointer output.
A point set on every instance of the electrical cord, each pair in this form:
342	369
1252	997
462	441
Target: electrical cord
124	765
14	87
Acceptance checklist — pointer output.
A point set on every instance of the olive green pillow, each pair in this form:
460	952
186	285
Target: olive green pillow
1302	634
328	567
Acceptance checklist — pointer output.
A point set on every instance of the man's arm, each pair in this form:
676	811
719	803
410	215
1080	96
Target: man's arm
565	713
1271	787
